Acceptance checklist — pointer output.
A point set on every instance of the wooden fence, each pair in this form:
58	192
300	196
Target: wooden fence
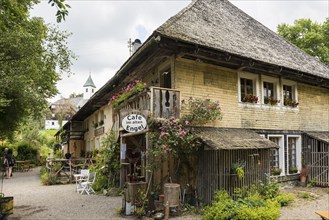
316	156
214	170
67	167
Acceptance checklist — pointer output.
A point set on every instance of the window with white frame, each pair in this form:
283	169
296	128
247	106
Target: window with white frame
275	162
97	146
248	87
270	90
293	154
289	93
277	155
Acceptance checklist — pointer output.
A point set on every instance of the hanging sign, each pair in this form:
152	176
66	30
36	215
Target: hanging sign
134	123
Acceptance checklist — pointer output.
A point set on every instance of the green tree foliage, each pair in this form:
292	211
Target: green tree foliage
32	57
25	151
62	9
309	36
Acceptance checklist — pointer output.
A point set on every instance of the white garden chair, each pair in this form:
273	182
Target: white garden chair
81	177
87	185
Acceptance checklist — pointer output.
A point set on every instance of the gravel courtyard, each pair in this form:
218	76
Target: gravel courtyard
32	200
35	201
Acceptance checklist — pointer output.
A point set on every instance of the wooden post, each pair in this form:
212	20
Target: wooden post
166	210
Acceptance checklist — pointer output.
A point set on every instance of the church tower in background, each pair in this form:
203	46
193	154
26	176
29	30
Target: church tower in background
89	88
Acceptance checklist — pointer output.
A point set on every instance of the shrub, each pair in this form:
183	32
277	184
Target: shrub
312	183
269	190
284	199
223	207
47	178
253	203
26	151
265	210
306	195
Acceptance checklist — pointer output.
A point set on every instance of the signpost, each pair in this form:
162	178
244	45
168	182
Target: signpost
134	123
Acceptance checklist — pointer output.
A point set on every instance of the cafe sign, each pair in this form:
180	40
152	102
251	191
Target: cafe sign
134	123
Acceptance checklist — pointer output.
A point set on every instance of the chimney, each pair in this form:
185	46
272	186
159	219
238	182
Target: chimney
135	45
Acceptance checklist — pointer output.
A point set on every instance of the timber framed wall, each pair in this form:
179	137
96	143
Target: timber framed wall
214	170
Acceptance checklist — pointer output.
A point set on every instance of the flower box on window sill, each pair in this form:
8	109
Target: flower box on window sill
293	170
271	100
275	171
250	99
290	103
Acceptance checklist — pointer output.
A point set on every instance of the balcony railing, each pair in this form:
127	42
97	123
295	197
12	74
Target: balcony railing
158	102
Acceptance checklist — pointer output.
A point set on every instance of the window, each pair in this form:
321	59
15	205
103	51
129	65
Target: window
275	162
270	90
289	93
247	88
293	154
269	93
92	90
97	144
277	155
86	89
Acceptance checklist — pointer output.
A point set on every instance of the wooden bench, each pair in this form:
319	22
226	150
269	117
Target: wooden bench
22	165
323	214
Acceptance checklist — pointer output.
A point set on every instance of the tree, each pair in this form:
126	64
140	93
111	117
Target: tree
62	9
32	58
309	36
74	95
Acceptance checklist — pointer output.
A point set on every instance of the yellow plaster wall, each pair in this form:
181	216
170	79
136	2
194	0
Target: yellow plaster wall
312	113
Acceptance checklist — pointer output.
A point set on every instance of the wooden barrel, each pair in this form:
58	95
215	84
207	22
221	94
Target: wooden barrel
171	194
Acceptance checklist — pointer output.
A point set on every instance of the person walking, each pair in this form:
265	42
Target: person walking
9	162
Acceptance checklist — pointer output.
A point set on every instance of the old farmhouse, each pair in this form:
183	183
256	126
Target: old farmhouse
274	101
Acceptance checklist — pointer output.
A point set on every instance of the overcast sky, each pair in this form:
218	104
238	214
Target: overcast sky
101	29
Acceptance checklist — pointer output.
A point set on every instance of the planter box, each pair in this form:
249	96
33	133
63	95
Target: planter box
7	205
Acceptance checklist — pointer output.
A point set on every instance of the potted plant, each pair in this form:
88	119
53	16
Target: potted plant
6	206
275	171
293	170
238	169
290	103
250	98
271	100
304	172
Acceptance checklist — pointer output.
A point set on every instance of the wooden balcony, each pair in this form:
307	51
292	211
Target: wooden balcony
157	102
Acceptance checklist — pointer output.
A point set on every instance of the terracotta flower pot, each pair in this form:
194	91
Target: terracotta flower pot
303	180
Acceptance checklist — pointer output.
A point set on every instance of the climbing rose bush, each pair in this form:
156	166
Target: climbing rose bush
201	111
173	137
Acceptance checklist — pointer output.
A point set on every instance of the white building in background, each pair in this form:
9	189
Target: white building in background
65	108
89	89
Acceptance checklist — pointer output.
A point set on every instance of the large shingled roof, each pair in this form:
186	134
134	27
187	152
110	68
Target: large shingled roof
220	25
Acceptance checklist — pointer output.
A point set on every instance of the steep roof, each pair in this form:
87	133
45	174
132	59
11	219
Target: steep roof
89	82
215	25
220	25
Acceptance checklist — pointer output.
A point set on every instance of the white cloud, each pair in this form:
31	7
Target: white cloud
101	29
